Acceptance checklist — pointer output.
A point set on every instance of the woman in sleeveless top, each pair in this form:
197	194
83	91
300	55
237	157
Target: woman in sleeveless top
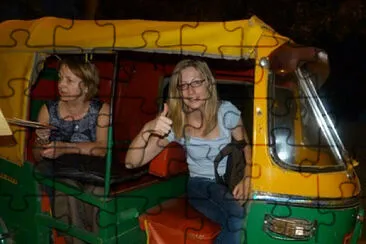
82	128
198	120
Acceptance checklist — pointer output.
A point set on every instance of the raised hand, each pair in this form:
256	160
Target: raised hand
242	190
43	136
161	125
53	149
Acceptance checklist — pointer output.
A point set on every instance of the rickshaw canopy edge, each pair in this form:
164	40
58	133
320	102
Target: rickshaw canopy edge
237	39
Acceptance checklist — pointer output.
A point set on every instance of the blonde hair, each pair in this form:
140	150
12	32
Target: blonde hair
86	71
175	101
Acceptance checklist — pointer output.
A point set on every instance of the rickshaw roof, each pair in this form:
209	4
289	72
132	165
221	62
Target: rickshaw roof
230	40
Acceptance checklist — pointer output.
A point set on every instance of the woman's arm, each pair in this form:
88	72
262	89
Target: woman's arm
149	142
42	134
241	191
144	148
240	133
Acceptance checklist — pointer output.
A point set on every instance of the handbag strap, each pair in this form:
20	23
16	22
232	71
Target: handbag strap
223	153
227	151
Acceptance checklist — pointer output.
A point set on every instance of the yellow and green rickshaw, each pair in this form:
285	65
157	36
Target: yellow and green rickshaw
304	188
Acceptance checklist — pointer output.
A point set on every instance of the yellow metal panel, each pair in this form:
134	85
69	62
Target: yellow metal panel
271	178
232	39
15	70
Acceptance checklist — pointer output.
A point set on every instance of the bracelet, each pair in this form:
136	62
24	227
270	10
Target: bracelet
42	141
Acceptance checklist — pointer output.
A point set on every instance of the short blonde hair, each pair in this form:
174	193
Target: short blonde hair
175	101
86	71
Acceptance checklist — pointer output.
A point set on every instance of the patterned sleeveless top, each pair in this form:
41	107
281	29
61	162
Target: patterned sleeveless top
83	130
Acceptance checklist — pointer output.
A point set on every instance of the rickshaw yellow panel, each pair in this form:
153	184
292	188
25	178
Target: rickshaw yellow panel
15	72
232	39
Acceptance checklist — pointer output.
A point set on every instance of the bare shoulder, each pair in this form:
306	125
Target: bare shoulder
104	116
105	109
43	115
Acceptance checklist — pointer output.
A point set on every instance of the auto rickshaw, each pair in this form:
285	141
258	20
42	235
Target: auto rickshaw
304	187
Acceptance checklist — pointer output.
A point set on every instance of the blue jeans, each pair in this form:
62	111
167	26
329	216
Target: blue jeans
217	203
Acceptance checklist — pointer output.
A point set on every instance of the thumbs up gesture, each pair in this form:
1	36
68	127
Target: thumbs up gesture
162	124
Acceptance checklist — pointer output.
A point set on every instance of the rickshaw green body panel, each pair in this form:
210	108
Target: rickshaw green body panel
119	215
20	207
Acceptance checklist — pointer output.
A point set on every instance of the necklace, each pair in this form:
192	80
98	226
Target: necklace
75	116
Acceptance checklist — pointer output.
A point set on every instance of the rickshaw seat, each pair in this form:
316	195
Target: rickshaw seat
169	162
175	221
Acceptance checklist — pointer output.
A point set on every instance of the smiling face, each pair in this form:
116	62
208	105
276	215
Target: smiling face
70	86
193	87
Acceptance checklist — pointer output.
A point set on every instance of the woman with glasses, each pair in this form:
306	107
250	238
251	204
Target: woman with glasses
196	118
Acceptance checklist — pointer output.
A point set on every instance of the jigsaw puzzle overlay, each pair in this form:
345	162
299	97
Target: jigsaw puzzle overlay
288	127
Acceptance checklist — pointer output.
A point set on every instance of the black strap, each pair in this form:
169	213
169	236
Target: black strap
227	151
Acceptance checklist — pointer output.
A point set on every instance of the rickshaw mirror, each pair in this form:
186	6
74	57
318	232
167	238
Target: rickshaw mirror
286	59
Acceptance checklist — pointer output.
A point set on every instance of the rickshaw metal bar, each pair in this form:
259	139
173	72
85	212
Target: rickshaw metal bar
38	59
110	128
185	53
313	101
329	203
327	118
77	193
48	221
109	50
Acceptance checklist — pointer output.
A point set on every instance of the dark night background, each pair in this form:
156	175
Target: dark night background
338	26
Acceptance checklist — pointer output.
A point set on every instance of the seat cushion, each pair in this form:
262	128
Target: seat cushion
169	162
175	221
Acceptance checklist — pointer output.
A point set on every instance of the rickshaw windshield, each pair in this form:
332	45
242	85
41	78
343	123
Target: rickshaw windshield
302	134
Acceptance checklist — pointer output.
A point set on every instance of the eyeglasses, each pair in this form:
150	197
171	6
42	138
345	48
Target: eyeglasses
193	84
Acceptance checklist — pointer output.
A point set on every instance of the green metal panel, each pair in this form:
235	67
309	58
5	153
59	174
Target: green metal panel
49	74
332	224
130	205
19	202
35	107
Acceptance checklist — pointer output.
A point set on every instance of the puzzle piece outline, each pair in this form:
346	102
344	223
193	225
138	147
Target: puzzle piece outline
66	28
